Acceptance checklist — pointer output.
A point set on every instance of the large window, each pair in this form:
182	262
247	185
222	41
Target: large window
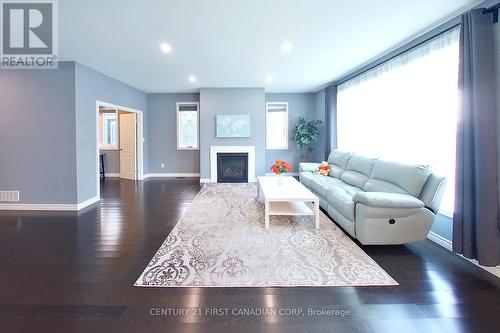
277	125
109	129
187	126
406	109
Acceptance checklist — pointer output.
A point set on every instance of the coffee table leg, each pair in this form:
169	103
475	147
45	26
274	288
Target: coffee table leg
316	213
266	213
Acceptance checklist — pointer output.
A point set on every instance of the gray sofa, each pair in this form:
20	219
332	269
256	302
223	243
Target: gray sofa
374	200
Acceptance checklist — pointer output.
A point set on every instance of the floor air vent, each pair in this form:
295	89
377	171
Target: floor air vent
9	196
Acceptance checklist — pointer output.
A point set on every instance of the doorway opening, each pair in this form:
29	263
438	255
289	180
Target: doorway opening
119	142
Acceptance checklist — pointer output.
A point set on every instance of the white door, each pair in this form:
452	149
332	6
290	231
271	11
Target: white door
128	145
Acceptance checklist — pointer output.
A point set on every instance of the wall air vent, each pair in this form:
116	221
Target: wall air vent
9	196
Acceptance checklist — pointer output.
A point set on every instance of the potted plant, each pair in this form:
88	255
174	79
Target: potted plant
304	134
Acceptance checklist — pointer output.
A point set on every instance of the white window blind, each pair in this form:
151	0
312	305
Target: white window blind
277	125
109	130
406	109
187	126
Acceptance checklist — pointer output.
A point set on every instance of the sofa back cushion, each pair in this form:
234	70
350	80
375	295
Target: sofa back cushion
394	177
337	161
358	170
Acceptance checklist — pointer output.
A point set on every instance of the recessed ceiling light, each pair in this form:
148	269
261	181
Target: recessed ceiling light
165	47
269	78
286	47
192	78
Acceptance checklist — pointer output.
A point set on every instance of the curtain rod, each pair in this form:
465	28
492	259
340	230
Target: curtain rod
493	9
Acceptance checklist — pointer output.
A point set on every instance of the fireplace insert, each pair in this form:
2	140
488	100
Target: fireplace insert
232	167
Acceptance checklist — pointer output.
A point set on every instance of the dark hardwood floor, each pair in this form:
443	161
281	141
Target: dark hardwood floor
68	272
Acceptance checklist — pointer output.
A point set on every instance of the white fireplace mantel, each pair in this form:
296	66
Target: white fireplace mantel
250	150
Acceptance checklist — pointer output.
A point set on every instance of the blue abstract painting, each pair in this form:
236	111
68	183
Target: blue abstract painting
233	126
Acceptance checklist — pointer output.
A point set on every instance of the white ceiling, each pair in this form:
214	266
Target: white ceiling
237	43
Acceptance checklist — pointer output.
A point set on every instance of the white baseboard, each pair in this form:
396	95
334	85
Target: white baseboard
171	175
54	207
49	207
208	180
112	175
87	203
447	244
440	240
493	270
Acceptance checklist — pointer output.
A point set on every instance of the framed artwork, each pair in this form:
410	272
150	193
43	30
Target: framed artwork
233	126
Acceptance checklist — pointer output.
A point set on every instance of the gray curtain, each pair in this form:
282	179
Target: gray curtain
476	226
330	119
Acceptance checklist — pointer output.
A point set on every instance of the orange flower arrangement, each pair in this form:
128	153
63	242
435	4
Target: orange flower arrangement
280	167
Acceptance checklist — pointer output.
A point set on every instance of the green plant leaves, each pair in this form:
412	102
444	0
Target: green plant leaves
305	133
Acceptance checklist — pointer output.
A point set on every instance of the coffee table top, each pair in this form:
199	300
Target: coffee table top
284	189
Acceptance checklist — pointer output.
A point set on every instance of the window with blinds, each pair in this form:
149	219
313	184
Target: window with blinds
187	126
277	125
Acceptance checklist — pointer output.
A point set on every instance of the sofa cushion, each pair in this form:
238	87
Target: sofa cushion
340	197
306	178
387	200
338	161
358	170
321	184
388	176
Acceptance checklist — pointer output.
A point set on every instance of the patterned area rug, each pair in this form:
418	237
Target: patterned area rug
221	242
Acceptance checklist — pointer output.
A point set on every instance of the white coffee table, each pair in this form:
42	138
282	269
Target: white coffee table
286	196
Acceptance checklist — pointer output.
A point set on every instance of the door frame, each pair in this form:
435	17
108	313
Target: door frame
139	134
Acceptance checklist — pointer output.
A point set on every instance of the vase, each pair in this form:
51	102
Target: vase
280	178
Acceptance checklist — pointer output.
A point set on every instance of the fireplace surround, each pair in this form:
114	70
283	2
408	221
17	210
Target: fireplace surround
214	150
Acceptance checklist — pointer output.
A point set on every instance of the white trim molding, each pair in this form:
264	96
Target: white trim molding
44	207
50	207
250	150
112	175
139	134
171	175
447	244
440	240
87	203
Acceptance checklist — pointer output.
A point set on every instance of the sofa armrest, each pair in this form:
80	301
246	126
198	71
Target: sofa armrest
387	200
308	167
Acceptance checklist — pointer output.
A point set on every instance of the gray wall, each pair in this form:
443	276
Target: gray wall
111	160
443	226
214	101
496	38
90	86
319	113
162	120
299	105
37	134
